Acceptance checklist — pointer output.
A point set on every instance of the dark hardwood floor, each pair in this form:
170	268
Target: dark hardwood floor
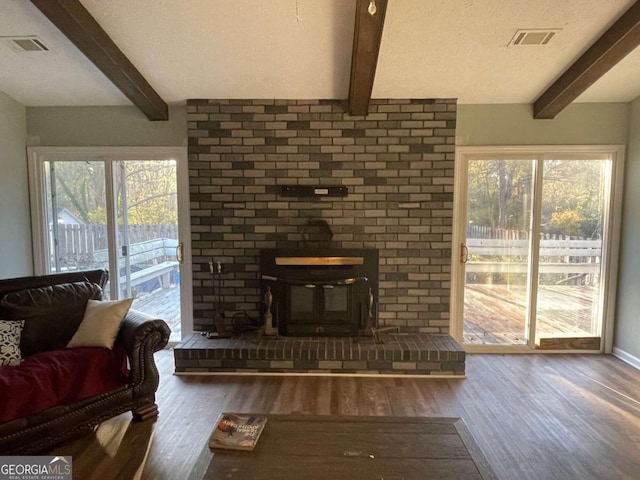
533	416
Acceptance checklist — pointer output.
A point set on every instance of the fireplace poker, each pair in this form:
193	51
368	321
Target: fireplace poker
378	330
218	315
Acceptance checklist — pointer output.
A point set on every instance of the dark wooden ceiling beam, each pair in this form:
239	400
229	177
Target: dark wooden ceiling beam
77	24
366	47
615	44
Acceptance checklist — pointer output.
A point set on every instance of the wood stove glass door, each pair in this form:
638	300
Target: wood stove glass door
303	304
336	303
320	304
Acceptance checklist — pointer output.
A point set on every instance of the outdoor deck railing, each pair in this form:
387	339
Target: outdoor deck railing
151	251
80	243
572	257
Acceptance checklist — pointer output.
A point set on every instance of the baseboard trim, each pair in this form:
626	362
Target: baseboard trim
627	357
319	374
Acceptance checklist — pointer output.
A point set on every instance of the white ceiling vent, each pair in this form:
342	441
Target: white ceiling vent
534	36
26	44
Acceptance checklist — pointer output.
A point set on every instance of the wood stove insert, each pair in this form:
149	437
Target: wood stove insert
321	291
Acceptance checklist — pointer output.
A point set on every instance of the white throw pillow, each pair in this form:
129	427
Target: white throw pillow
10	331
101	322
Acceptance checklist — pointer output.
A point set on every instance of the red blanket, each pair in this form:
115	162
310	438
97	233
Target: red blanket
59	377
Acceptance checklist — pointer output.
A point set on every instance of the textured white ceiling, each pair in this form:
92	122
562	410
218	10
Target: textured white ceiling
302	49
63	77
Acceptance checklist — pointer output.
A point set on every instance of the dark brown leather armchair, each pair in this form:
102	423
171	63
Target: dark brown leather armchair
141	336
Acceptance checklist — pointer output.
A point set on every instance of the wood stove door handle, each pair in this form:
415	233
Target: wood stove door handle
370	300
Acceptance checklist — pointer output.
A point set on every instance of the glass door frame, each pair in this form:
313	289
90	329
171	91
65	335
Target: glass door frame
37	156
610	248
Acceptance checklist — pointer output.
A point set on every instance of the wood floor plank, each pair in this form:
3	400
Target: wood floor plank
533	416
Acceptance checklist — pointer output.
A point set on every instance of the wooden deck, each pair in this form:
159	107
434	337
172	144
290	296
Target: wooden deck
163	303
495	314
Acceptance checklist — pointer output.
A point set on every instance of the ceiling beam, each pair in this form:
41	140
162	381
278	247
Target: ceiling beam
614	44
366	47
77	24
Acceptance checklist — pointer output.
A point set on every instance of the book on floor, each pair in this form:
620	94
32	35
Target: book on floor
237	431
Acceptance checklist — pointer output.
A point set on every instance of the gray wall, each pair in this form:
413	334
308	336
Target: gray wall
101	126
578	124
15	231
627	336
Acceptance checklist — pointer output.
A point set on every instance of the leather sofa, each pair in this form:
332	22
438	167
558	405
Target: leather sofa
53	306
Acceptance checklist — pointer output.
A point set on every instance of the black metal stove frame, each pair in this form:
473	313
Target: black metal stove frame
321	291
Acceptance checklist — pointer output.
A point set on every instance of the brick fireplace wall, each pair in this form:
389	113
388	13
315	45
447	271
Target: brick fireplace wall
397	163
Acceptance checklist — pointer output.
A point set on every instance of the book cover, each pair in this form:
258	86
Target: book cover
237	431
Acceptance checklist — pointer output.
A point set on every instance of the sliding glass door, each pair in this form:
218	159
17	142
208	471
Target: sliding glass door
496	251
148	243
116	209
534	236
573	216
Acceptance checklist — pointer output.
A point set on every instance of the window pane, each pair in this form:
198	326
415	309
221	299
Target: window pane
571	248
77	216
498	220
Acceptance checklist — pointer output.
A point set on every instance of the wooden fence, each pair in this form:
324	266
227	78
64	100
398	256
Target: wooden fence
82	246
568	260
478	231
